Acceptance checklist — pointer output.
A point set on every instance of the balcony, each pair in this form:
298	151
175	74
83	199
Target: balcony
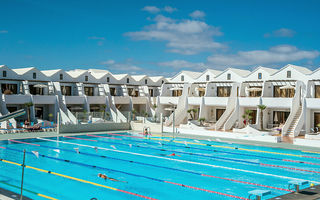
272	102
75	99
168	100
216	101
96	99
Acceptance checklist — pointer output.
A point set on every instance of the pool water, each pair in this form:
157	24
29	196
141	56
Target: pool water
155	168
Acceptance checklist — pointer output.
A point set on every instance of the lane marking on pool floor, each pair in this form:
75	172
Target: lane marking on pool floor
27	190
181	170
203	155
208	150
137	175
178	160
76	179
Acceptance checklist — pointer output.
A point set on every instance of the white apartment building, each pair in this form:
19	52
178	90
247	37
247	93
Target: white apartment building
291	96
75	93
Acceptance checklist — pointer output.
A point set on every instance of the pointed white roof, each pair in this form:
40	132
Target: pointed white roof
156	78
22	71
270	71
119	76
300	69
51	72
213	71
138	77
76	73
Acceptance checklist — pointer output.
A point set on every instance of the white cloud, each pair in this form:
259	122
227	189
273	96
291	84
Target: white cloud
276	54
178	64
99	39
108	62
151	9
181	36
282	32
3	31
169	9
122	67
197	14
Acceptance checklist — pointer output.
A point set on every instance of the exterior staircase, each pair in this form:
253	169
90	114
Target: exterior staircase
294	122
223	120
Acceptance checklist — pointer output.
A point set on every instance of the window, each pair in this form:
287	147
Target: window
162	81
317	91
108	79
9	88
34	75
259	75
35	90
86	78
146	81
228	76
288	74
113	92
61	76
88	91
285	93
4	73
66	90
151	92
208	77
127	80
223	91
182	78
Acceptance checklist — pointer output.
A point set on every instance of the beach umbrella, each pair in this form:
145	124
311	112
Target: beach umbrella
276	116
40	86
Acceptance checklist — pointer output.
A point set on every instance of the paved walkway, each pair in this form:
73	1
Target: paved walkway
311	193
8	195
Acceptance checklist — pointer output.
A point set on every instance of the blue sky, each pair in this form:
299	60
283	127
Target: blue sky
159	37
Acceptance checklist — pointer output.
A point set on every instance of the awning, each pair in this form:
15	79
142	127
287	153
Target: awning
176	88
254	89
287	87
202	89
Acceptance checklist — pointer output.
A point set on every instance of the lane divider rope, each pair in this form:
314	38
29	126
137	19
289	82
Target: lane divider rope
202	155
148	164
243	149
211	150
136	175
178	160
75	179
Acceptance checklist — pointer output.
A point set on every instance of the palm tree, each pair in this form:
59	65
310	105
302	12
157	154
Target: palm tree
190	111
134	112
194	113
28	105
261	108
103	109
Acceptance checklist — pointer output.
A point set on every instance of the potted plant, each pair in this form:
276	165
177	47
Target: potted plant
50	116
201	120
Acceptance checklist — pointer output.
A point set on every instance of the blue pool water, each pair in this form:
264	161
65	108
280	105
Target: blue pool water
199	170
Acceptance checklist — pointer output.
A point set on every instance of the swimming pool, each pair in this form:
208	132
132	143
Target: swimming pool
155	168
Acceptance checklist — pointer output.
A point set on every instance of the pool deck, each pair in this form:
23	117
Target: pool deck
311	193
8	195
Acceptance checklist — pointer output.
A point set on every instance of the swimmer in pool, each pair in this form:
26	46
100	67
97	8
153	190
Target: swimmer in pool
105	177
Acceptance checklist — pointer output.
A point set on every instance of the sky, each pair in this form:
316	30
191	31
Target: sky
159	37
